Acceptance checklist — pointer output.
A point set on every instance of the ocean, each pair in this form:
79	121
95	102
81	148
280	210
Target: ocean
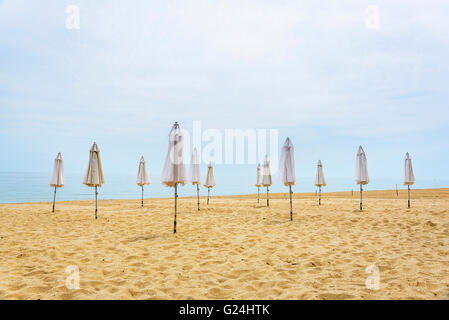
20	187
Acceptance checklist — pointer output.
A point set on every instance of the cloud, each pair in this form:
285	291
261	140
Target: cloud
228	63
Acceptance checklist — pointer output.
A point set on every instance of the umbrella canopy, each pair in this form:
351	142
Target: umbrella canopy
361	168
287	164
94	173
319	179
266	173
287	169
210	180
194	172
142	174
409	177
174	171
259	177
57	178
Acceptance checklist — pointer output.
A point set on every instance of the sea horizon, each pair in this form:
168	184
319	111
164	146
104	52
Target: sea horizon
30	187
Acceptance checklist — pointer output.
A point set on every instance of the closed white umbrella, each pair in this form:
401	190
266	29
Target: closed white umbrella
319	179
57	177
361	172
409	177
287	169
195	173
174	171
142	175
210	180
258	183
94	173
267	181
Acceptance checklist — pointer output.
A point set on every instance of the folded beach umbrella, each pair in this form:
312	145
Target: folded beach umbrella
57	178
409	177
195	174
266	177
142	175
94	173
258	183
319	179
287	169
210	180
174	171
361	172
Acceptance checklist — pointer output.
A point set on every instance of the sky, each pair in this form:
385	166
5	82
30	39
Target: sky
331	75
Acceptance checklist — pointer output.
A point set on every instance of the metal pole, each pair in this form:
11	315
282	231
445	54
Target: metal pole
142	196
54	200
408	196
361	190
291	205
268	197
176	204
208	194
96	203
319	201
198	195
258	194
397	193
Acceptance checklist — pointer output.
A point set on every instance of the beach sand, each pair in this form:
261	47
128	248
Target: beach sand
232	249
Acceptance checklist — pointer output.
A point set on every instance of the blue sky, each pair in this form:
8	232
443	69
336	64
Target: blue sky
311	69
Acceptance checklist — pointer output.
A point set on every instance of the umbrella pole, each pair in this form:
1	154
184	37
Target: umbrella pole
54	200
198	195
208	194
408	197
319	200
258	194
361	190
176	204
291	204
268	197
96	203
142	196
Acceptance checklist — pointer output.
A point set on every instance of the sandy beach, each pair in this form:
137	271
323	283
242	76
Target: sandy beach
234	248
